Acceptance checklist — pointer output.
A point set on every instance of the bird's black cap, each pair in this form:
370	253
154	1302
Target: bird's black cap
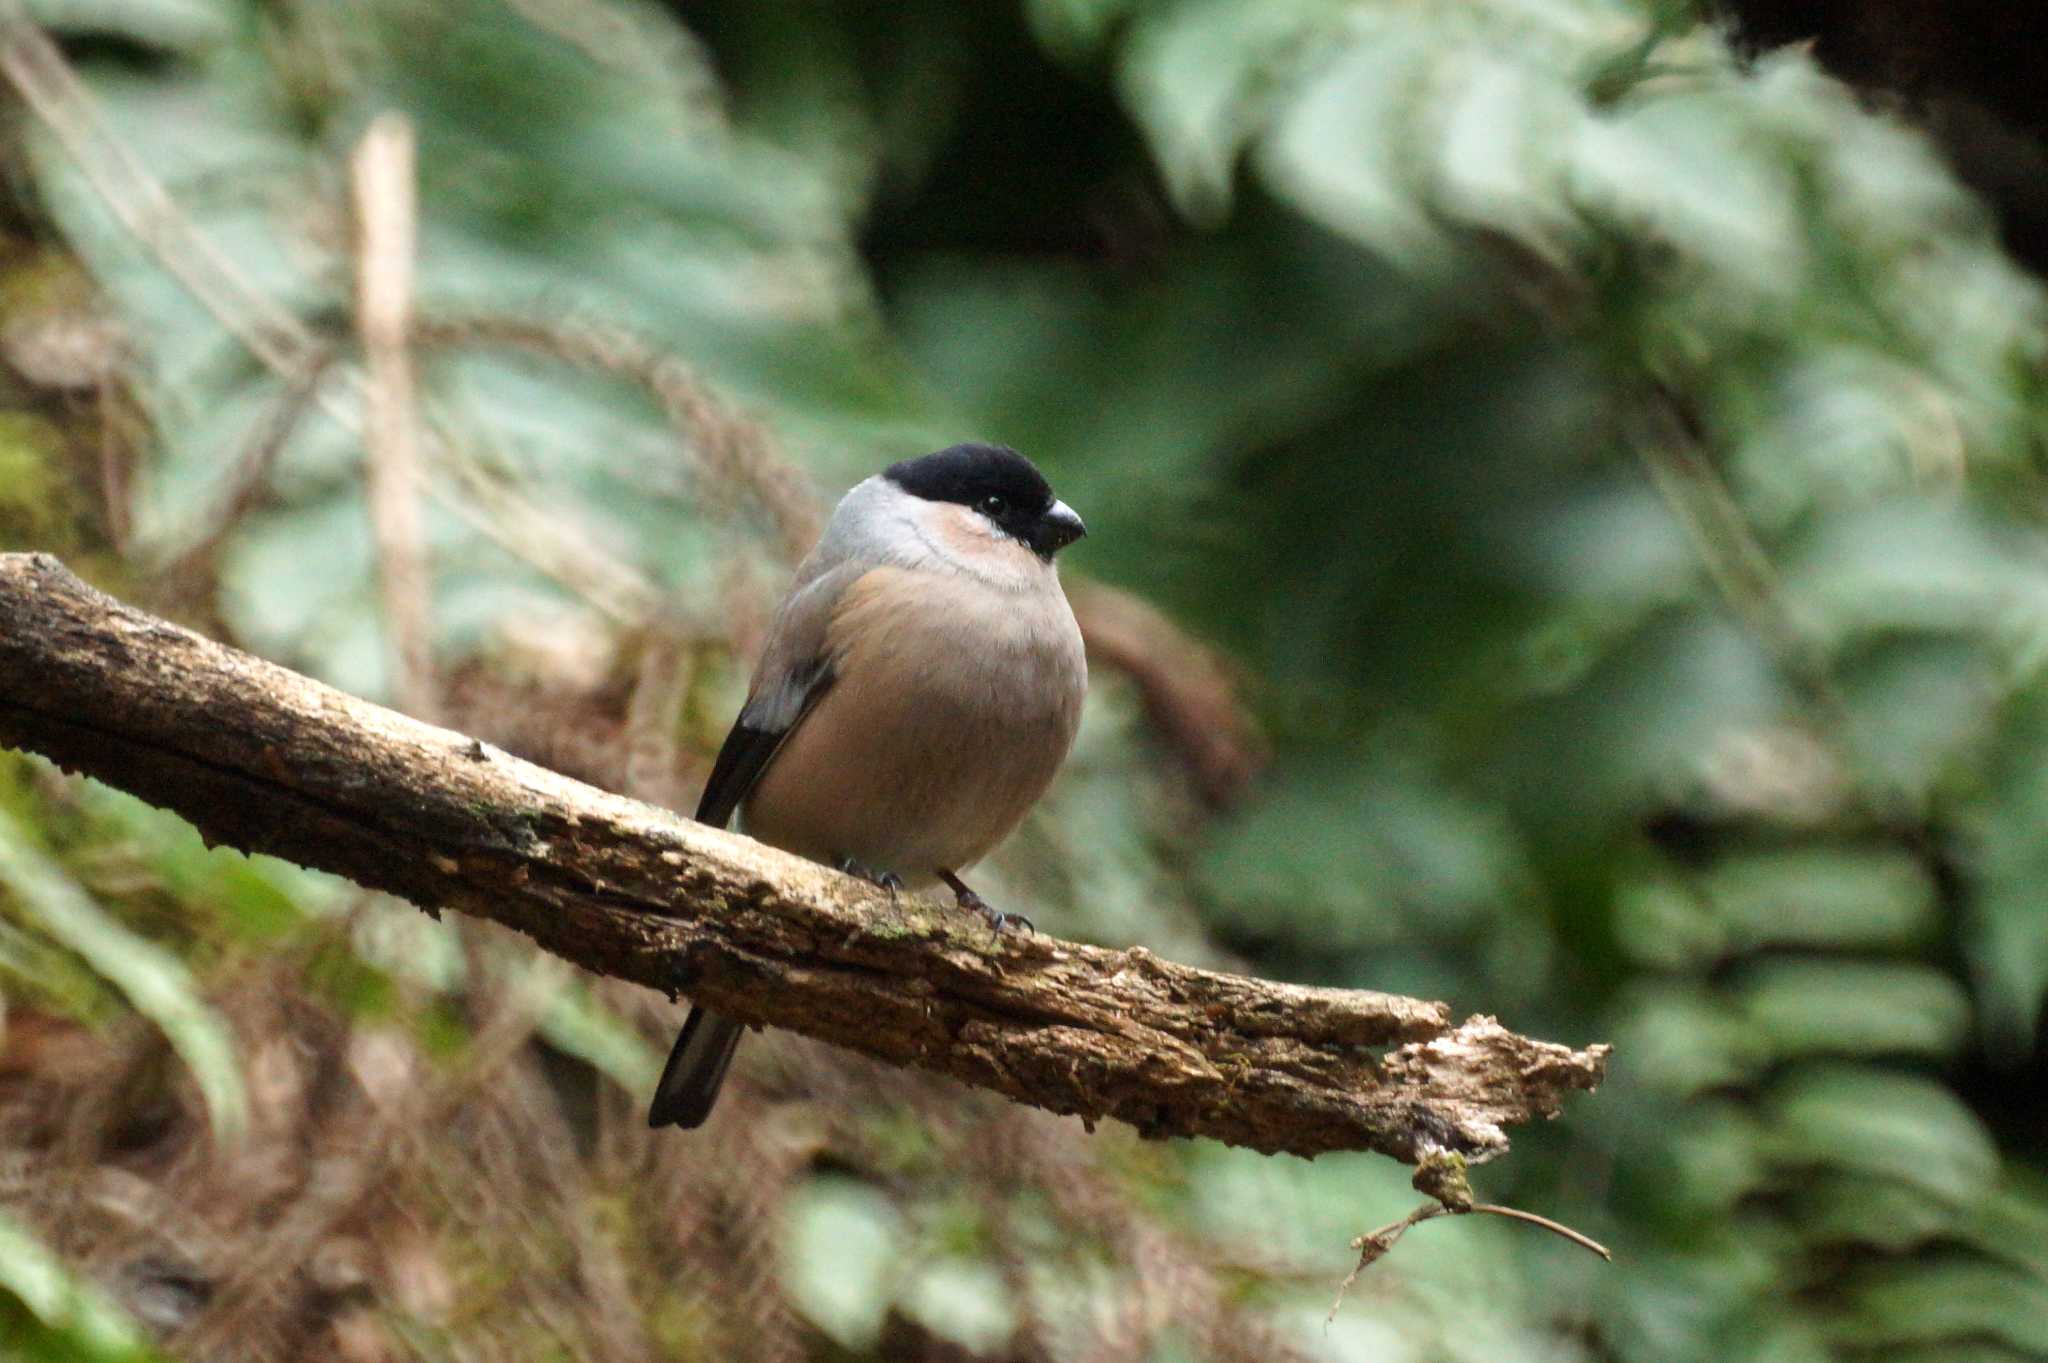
969	474
1000	483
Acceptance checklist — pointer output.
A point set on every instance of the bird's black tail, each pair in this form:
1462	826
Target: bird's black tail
696	1067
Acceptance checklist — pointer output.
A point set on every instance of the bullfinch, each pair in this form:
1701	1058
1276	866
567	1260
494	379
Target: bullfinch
921	683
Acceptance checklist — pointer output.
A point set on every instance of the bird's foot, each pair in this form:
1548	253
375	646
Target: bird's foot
887	880
968	899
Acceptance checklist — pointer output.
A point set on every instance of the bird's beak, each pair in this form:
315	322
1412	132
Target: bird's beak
1058	528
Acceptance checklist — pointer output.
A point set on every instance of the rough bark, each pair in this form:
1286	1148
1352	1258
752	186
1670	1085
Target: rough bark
265	760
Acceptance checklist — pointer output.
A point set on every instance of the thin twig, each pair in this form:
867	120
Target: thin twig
493	505
1674	453
1372	1248
1582	1240
387	218
1190	691
272	430
736	451
1442	1175
1735	561
113	467
52	91
662	681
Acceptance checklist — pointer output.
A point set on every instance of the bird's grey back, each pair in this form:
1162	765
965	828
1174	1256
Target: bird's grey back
857	537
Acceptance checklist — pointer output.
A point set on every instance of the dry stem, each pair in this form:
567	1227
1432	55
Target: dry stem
388	226
1441	1174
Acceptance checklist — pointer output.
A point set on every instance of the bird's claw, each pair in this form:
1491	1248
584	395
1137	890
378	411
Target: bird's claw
887	880
997	919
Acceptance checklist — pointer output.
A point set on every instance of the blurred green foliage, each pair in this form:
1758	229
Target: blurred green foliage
49	1318
1615	464
153	981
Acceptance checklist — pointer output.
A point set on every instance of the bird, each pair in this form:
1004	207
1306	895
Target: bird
920	686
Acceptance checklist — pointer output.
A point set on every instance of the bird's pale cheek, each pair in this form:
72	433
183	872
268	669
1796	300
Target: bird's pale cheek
963	531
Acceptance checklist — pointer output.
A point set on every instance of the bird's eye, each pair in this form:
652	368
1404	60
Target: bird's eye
993	506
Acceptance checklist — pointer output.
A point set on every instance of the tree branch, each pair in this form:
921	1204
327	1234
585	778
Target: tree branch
263	759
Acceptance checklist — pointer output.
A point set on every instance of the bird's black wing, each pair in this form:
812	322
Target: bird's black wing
783	695
747	751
